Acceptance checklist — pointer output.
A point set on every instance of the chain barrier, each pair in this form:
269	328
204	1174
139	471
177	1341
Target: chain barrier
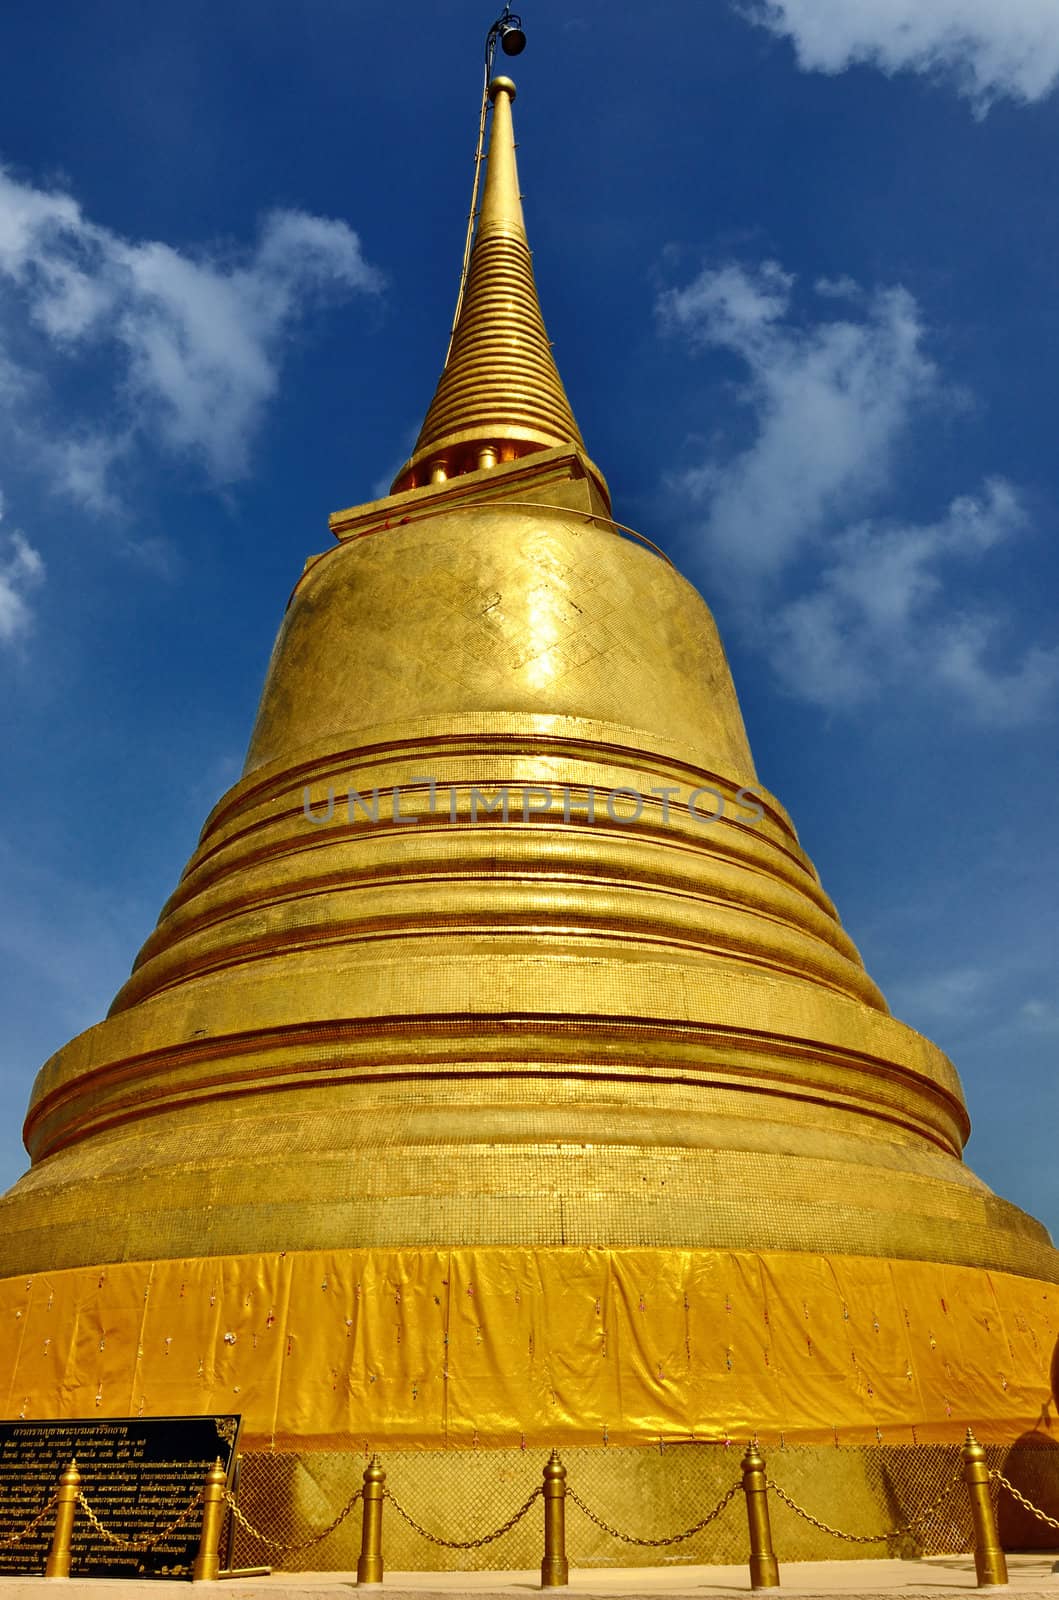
1042	1516
152	1540
278	1544
149	1540
12	1539
466	1544
923	1516
871	1538
654	1544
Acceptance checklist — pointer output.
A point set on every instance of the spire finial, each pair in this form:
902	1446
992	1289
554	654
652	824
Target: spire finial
502	202
500	395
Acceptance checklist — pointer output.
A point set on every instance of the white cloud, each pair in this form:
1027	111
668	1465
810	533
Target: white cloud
845	605
21	570
1040	1016
831	402
79	466
843	288
728	305
1004	695
944	996
878	613
988	49
192	344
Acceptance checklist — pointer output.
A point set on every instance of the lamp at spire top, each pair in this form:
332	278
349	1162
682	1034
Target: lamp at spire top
512	38
508	30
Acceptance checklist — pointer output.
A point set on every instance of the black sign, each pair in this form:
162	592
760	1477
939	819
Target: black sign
137	1476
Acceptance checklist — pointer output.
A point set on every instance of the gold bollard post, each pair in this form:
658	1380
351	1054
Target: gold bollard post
207	1564
764	1568
58	1562
229	1543
989	1562
555	1570
369	1563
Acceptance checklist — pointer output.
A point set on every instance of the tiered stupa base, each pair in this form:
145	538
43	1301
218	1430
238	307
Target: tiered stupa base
648	1369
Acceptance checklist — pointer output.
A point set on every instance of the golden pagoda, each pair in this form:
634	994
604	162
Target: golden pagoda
499	1075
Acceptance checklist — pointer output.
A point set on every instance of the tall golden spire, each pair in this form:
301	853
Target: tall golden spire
500	395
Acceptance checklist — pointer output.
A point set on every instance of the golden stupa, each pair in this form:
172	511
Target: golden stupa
499	1074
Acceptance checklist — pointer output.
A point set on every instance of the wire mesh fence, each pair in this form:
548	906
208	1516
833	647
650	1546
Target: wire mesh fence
458	1495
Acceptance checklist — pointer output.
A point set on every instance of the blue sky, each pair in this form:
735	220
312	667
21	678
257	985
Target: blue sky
797	258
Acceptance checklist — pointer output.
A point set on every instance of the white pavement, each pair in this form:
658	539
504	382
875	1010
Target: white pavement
1031	1578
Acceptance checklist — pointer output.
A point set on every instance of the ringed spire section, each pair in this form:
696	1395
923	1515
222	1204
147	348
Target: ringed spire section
500	395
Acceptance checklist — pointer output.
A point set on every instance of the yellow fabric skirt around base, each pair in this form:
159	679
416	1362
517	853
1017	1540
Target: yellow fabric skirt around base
512	1346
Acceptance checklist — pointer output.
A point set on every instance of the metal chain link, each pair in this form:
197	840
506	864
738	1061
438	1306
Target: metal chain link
871	1538
149	1540
12	1539
278	1544
466	1544
1042	1516
654	1544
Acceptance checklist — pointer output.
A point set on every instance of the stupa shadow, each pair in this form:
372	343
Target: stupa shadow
1031	1466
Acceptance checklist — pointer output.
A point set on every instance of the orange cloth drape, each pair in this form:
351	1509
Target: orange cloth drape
504	1345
